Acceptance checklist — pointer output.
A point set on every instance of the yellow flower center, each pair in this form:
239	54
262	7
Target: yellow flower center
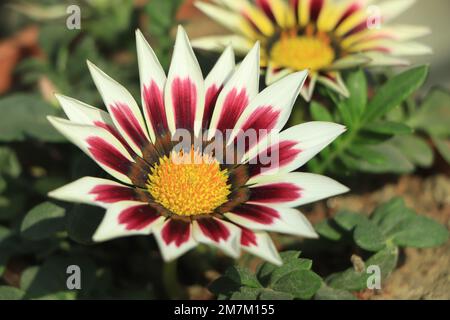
188	183
305	52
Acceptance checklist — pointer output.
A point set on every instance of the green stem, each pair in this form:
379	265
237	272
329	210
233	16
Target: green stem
170	281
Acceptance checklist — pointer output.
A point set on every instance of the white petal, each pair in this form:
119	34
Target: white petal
260	244
116	222
151	74
169	246
217	43
284	220
215	81
244	83
81	112
305	188
88	190
273	74
81	135
294	147
122	107
272	106
184	82
335	83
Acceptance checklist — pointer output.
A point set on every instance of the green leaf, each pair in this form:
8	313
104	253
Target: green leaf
415	149
268	273
433	116
302	284
50	279
82	221
43	221
352	280
268	294
388	127
327	293
357	101
443	146
320	112
420	232
327	230
395	91
242	276
368	236
385	209
394	161
246	293
9	164
10	293
348	220
24	115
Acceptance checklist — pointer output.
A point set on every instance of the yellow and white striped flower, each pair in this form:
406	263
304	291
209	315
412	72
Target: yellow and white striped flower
324	36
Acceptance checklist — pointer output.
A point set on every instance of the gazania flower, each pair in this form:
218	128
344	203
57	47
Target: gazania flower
324	36
187	196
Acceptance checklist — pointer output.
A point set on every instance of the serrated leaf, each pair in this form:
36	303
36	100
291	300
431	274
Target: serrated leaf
395	91
268	273
302	284
43	221
368	236
386	208
245	293
242	277
327	293
419	232
352	280
269	294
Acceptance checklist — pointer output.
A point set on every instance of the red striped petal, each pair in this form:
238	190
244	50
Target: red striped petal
111	193
184	99
257	213
138	217
248	238
275	192
128	122
212	93
233	106
287	151
106	154
154	104
214	229
176	231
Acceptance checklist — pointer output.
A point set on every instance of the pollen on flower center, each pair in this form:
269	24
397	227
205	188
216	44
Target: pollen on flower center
305	52
188	183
